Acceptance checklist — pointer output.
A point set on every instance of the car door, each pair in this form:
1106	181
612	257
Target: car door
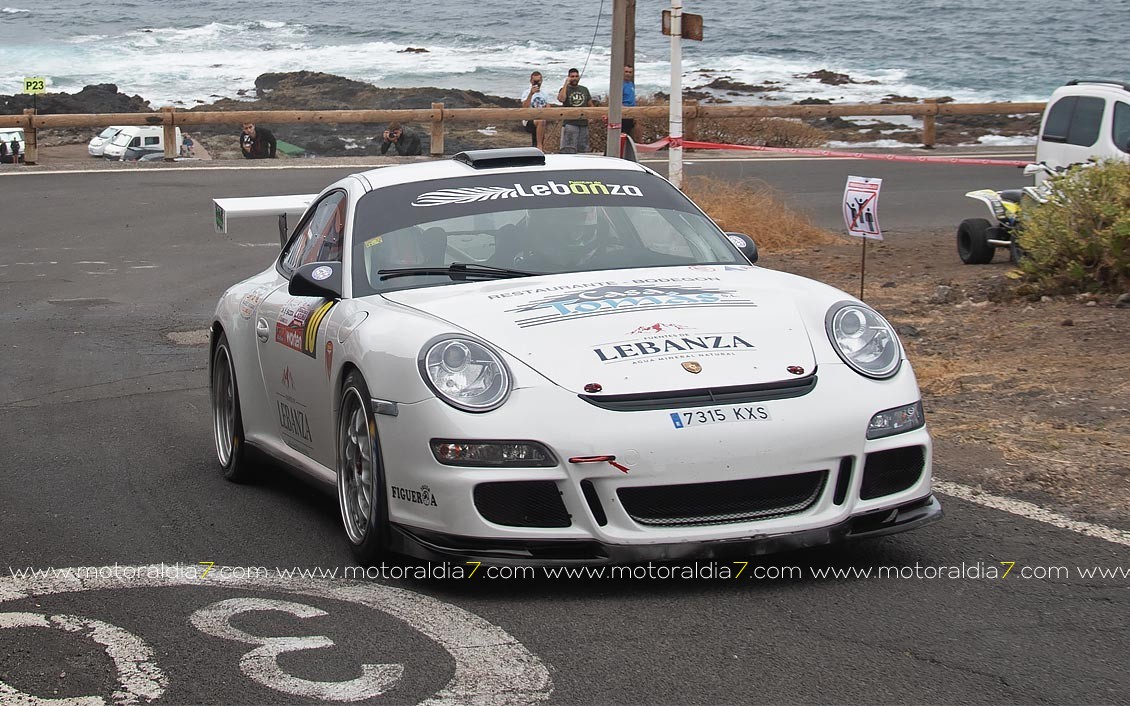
291	336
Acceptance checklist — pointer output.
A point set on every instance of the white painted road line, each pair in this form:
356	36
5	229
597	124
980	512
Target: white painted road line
1032	512
138	676
491	667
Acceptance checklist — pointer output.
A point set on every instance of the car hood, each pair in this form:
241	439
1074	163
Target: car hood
635	331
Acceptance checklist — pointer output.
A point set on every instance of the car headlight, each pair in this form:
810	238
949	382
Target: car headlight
863	339
465	374
897	420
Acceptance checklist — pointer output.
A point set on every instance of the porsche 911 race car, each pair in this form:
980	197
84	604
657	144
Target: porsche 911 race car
513	357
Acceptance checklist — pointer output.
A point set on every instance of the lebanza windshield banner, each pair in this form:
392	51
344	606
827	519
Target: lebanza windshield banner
578	187
384	210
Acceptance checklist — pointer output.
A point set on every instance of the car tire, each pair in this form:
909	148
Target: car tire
227	418
360	474
973	245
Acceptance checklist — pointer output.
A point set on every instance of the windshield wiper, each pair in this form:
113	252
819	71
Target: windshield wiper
457	271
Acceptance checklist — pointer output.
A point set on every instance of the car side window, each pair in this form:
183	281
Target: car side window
1086	121
151	141
320	237
1120	131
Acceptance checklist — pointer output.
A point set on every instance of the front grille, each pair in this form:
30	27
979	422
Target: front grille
892	471
535	503
702	396
723	502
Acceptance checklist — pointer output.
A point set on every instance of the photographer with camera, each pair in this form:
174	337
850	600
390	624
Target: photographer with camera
534	98
407	143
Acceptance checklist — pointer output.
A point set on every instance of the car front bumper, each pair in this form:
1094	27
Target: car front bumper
436	546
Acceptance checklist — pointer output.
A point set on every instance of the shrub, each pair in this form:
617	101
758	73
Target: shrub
755	209
1079	241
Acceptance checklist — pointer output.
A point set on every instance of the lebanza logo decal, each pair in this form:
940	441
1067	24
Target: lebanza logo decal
474	194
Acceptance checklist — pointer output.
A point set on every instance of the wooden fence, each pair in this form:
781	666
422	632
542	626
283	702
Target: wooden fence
438	116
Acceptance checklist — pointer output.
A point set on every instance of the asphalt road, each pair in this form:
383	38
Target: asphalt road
107	460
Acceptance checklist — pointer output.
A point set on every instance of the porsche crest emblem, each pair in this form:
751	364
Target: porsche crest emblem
692	367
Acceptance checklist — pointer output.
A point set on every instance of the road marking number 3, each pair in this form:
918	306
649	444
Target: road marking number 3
261	664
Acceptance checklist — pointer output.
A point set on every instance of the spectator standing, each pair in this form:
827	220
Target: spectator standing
406	142
628	125
535	98
257	142
575	133
3	152
15	150
186	146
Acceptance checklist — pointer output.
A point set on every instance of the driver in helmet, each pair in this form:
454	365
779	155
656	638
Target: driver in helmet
563	239
393	250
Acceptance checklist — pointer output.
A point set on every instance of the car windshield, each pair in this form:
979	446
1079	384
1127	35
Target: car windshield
121	139
109	132
482	227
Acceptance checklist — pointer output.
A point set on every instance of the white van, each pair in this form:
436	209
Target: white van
7	134
97	144
135	141
1085	119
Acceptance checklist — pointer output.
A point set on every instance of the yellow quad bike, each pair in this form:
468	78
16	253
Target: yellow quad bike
978	238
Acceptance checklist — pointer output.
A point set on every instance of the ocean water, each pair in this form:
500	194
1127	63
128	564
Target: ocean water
181	53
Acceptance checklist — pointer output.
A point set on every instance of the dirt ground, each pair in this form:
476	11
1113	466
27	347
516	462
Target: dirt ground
1030	399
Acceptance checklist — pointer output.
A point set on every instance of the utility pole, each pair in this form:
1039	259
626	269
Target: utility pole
675	129
630	34
616	78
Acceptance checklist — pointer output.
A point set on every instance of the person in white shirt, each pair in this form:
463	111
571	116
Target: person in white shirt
534	98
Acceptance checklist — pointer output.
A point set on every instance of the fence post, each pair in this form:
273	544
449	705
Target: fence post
929	124
437	130
168	120
31	144
690	119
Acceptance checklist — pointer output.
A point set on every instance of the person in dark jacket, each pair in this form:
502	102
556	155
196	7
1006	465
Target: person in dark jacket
407	144
257	142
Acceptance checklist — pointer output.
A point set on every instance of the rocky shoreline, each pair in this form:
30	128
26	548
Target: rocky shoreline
307	90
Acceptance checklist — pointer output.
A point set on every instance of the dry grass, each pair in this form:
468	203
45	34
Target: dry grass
756	210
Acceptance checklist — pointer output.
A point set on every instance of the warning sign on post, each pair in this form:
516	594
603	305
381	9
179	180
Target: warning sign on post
861	207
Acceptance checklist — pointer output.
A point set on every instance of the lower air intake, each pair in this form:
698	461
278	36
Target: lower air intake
535	503
723	502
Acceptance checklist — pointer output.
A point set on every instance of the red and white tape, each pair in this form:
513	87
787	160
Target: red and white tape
692	145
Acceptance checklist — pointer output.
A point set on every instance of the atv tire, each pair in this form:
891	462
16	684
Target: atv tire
973	244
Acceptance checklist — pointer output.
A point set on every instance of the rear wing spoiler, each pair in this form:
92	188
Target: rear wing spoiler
280	206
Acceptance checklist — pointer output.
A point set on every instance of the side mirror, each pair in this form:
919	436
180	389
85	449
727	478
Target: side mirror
745	244
1030	169
317	279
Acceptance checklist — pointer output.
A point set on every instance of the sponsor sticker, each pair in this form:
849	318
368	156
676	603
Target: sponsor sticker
298	322
719	415
611	299
321	273
294	423
250	301
423	496
674	347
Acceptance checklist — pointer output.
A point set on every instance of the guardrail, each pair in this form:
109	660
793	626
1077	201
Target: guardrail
438	116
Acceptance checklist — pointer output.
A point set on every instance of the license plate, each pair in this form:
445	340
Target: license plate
720	415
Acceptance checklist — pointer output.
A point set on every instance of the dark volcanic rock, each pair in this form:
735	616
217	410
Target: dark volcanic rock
310	90
725	83
102	98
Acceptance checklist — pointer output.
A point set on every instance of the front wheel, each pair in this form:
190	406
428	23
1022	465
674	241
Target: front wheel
227	419
973	246
360	475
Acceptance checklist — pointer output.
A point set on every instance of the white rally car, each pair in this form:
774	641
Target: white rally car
519	358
